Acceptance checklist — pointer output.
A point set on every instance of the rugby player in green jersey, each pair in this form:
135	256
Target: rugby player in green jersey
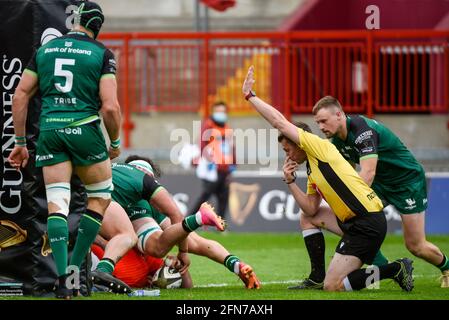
389	168
75	75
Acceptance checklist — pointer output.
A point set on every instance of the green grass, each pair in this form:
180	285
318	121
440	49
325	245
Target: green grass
281	259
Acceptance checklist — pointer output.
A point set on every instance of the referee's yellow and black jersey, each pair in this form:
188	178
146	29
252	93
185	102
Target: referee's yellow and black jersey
330	175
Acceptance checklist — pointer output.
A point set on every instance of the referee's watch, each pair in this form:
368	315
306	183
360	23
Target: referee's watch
250	94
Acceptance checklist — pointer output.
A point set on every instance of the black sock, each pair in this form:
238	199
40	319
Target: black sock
358	278
316	248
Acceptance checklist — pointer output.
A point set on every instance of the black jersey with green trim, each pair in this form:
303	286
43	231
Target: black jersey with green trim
69	69
369	138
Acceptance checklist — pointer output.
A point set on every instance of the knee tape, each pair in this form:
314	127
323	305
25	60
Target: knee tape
59	194
145	232
100	190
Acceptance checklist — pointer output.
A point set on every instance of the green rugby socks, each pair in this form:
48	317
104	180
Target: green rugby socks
58	234
106	265
191	223
444	265
232	263
87	231
380	259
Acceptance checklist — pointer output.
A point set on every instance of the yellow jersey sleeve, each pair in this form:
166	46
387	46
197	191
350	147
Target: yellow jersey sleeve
310	187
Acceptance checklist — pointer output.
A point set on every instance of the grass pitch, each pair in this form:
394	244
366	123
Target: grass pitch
281	260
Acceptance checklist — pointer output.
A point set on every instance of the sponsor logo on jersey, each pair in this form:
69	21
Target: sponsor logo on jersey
68	43
65	100
79	51
59	120
51	50
135	212
77	131
96	156
411	203
371	195
367	149
364	136
44	157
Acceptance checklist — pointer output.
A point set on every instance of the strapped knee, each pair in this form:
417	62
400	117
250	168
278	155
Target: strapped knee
144	233
100	190
59	194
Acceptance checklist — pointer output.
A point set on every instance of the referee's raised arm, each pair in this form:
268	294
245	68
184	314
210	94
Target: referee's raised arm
273	116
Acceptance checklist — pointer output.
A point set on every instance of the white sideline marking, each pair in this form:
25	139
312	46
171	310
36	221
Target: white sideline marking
219	285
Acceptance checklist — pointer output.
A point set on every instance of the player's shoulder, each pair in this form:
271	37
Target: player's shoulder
86	39
357	121
360	123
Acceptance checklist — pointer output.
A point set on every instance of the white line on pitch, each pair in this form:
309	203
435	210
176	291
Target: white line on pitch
217	285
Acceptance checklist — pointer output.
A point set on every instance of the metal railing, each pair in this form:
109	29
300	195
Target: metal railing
368	71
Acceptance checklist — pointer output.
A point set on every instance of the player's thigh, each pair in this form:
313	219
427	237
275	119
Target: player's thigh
59	172
95	173
89	153
324	218
115	221
339	267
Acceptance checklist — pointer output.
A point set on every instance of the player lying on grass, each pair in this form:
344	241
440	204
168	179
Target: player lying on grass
136	269
142	218
132	183
357	207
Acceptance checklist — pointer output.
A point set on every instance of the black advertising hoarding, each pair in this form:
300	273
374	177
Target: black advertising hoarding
257	203
25	256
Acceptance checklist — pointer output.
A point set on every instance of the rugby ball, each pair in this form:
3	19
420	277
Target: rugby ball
167	278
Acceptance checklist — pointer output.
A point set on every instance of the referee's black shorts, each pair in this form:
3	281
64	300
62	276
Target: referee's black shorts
362	236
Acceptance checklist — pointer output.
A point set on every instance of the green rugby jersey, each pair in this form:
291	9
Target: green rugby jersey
69	70
132	185
144	209
368	138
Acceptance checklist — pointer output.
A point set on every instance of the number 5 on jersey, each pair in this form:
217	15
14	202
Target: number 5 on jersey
68	75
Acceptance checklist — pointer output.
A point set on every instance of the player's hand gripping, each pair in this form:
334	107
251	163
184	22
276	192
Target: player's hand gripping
185	262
